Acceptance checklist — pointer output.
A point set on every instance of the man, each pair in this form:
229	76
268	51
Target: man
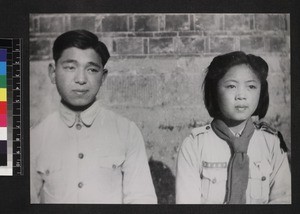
83	153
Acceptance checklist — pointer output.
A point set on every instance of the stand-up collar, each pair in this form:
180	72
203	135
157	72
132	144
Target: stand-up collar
87	117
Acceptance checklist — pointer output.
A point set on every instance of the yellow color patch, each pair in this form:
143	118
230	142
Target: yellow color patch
2	94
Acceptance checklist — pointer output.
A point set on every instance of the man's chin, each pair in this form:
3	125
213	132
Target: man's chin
78	105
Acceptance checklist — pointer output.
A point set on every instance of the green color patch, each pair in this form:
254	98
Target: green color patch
2	81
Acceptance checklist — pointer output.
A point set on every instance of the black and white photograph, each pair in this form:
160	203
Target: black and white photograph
159	71
169	110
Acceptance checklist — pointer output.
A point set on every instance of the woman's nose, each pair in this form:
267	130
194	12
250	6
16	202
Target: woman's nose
240	94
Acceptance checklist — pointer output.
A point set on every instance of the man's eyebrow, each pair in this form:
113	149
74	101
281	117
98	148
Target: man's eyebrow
70	61
94	64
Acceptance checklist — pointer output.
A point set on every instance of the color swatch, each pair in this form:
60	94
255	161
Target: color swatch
3	108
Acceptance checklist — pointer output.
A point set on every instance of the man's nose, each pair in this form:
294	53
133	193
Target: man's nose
80	76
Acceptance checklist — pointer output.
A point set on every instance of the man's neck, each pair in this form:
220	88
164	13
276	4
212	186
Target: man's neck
77	109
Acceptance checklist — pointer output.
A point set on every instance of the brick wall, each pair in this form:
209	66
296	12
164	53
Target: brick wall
157	68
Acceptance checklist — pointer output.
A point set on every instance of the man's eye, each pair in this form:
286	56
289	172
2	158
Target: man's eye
69	68
94	70
230	86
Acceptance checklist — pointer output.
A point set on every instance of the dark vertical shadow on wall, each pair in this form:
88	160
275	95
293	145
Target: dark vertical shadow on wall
164	182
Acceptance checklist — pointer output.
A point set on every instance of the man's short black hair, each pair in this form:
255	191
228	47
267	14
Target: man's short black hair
218	68
82	39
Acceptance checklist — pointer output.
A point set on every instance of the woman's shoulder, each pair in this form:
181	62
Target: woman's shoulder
270	134
201	130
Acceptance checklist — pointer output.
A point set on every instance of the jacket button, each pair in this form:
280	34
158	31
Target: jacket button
207	127
263	178
80	155
214	181
80	184
78	126
114	166
47	172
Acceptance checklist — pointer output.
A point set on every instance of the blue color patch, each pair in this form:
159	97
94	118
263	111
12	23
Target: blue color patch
2	68
3	54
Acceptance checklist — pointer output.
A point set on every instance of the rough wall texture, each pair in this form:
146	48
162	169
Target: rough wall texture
157	68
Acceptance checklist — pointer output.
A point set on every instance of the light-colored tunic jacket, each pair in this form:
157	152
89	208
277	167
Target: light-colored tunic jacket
97	158
202	169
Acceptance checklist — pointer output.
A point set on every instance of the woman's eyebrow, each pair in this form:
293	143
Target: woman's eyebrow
252	80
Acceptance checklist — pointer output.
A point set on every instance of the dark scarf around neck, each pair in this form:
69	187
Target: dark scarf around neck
238	167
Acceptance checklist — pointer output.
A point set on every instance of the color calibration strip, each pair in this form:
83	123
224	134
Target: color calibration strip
3	108
11	108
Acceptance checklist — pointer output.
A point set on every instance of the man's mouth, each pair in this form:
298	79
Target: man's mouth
80	91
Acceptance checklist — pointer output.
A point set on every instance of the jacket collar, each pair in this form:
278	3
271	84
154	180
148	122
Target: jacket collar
87	117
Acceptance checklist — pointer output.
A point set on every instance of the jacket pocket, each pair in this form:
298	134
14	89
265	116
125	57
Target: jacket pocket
110	172
259	178
54	182
213	184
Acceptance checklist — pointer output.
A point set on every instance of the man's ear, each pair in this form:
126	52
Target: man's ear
51	72
104	75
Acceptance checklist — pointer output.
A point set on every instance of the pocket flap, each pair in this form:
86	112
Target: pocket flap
258	169
111	161
215	174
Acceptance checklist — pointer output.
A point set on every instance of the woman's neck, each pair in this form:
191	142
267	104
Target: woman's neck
235	126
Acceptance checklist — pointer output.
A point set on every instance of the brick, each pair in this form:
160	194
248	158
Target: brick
131	25
83	22
162	23
33	24
141	34
40	49
251	44
190	33
273	22
129	45
51	24
161	45
222	44
209	22
188	45
139	90
146	23
277	89
181	89
177	23
165	34
192	21
115	23
146	46
237	22
278	44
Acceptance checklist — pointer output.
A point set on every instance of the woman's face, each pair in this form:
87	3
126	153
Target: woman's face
238	93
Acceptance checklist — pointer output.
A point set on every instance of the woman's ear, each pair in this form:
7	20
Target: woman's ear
51	72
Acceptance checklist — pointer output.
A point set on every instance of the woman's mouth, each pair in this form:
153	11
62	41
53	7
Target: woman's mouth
241	108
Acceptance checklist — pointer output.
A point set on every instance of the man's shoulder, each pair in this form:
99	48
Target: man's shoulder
114	117
43	123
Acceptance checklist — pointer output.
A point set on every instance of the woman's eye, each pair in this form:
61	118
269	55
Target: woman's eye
252	87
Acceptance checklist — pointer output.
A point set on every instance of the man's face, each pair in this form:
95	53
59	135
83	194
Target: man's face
238	93
78	75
